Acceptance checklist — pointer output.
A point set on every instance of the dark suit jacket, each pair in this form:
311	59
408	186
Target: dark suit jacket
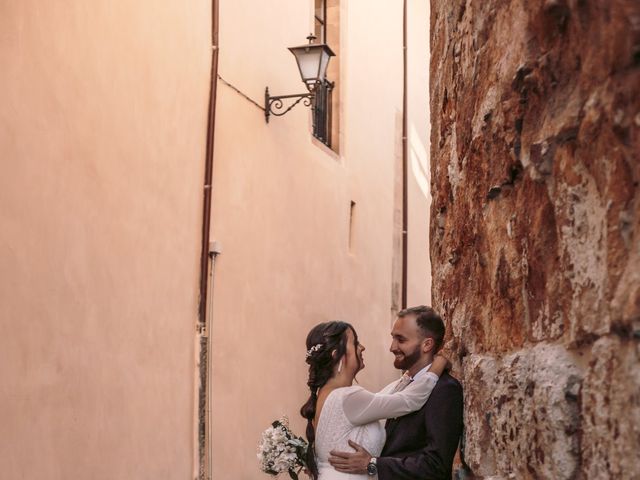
421	445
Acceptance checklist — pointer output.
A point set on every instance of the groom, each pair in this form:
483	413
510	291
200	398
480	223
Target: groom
421	445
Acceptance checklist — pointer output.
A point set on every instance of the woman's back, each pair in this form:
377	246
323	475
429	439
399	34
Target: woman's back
334	430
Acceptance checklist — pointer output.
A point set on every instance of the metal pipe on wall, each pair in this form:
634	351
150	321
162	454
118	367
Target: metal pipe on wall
208	174
207	257
405	149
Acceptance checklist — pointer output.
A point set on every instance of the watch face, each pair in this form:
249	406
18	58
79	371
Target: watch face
372	469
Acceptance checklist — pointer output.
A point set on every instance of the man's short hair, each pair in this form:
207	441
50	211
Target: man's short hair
428	321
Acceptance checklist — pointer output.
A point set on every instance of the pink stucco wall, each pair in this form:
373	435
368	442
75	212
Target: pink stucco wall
282	214
102	137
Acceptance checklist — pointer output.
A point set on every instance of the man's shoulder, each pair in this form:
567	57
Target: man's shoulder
448	382
447	390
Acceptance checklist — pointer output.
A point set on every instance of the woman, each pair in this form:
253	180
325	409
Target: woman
337	411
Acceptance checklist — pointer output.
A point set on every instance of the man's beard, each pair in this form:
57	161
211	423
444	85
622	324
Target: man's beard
407	361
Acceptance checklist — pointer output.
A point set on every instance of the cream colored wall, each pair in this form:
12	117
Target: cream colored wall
419	279
281	213
102	138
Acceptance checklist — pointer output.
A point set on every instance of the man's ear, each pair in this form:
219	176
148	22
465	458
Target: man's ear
428	345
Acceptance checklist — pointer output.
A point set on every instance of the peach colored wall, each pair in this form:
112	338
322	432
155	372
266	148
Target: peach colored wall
419	291
102	138
281	213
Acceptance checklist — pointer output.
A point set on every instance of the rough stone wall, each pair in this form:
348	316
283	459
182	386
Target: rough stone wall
535	231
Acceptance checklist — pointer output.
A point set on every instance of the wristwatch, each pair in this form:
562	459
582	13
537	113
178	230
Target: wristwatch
372	468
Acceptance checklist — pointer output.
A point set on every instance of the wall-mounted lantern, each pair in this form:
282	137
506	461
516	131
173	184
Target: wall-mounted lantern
313	60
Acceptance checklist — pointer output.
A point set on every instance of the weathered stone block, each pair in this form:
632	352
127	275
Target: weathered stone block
611	411
522	414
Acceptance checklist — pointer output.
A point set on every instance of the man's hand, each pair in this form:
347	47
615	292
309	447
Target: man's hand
355	463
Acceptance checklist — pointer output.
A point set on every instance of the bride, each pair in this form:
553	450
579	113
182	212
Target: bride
338	412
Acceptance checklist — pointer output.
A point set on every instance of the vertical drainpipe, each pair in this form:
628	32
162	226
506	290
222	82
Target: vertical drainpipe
405	187
207	257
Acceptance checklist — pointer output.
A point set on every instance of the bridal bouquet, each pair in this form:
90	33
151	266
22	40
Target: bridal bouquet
281	451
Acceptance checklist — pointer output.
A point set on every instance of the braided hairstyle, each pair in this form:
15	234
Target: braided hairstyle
322	341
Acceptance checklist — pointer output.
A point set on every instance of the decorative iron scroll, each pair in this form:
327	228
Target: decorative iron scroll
276	105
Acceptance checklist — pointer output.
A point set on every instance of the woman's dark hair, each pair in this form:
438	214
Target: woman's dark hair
322	341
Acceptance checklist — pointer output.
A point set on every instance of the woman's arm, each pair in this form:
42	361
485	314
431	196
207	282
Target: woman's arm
361	406
439	365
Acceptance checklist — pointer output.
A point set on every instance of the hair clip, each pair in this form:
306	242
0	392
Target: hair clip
314	349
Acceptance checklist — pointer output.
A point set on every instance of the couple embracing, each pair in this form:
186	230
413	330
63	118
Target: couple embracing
423	410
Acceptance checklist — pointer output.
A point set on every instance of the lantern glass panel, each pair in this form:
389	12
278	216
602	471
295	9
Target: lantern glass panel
324	63
308	62
313	60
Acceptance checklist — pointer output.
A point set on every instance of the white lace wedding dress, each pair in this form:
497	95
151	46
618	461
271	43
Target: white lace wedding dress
353	413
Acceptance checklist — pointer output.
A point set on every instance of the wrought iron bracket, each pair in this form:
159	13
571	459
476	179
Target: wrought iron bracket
276	105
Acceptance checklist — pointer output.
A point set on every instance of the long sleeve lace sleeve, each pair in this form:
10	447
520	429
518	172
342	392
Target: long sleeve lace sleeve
361	406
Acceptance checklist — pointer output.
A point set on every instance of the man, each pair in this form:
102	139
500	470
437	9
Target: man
421	445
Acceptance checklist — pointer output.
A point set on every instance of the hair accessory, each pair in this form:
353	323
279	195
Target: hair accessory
314	349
